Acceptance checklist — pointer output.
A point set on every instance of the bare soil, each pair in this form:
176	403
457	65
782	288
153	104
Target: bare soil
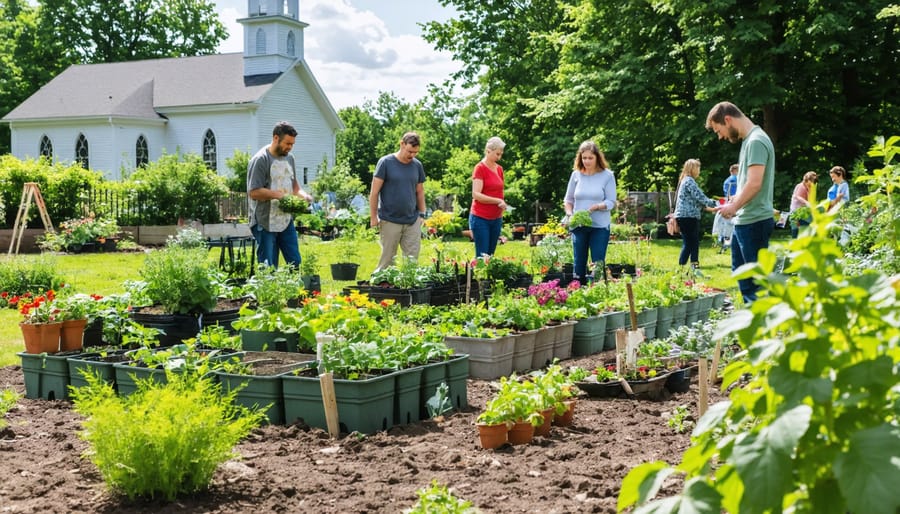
298	469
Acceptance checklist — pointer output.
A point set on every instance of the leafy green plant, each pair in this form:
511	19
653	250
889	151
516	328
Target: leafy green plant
28	275
181	280
814	428
440	403
309	265
272	288
551	253
580	219
8	400
514	402
293	204
182	188
680	420
339	180
162	440
437	499
187	237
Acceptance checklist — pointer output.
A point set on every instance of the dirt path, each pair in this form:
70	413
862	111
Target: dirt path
294	469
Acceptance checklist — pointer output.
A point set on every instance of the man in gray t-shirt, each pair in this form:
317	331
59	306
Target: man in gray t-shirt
272	175
397	201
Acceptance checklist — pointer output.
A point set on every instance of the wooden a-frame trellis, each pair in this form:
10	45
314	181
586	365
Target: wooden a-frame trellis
31	192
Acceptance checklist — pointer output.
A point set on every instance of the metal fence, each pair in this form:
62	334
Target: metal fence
132	207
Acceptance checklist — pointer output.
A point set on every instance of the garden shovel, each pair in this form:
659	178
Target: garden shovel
627	341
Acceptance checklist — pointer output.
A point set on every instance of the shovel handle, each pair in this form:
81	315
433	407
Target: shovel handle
634	324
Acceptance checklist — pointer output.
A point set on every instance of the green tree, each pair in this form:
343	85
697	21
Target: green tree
132	30
357	143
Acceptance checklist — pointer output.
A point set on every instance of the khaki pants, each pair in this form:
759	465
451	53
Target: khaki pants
408	237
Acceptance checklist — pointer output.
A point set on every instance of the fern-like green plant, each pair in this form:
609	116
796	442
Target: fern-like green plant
437	499
8	400
165	439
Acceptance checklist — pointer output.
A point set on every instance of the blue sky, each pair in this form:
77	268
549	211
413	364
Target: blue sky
358	48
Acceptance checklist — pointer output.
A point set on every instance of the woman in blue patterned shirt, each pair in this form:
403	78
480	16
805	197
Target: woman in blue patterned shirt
689	200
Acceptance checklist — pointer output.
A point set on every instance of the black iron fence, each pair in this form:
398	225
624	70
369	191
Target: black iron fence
135	208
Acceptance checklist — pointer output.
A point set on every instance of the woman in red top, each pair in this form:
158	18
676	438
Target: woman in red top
486	215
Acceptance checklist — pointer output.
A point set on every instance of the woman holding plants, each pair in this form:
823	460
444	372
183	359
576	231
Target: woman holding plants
800	199
486	215
592	188
688	202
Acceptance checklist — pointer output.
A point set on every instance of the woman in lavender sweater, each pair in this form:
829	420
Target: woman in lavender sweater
592	188
689	200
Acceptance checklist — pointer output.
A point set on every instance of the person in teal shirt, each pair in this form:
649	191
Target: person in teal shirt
752	207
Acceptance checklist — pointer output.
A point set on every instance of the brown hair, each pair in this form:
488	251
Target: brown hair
410	138
719	111
590	146
811	176
837	170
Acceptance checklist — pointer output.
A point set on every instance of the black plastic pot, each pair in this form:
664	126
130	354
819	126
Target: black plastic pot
344	270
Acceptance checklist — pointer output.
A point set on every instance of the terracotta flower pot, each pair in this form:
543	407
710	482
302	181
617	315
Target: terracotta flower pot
41	337
544	429
565	419
492	436
522	432
72	335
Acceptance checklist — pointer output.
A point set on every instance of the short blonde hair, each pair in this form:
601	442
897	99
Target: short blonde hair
494	143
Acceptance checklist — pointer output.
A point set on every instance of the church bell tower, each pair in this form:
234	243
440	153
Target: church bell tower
273	36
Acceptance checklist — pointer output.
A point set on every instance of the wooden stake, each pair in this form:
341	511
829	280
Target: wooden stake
468	283
634	325
704	387
326	381
625	385
714	370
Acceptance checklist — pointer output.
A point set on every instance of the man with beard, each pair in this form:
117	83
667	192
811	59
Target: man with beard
751	208
272	175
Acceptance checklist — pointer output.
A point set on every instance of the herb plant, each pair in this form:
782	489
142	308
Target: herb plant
8	400
163	440
438	499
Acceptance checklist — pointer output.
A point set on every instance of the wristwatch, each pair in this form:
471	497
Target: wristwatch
422	215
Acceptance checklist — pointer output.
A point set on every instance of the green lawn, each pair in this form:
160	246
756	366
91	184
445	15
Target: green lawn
104	273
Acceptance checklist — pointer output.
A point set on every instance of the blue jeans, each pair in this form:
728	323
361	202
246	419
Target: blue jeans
746	243
588	238
268	245
485	232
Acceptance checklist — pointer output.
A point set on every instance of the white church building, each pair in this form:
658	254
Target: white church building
115	117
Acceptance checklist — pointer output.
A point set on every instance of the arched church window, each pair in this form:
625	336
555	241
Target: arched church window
209	150
141	152
82	152
260	42
46	148
291	44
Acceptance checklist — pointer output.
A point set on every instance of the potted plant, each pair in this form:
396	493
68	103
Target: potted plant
309	273
348	250
552	258
41	323
180	284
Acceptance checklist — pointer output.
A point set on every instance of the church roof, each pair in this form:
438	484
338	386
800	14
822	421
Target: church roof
143	89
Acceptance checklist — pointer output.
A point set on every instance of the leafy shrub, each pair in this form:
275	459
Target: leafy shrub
814	428
29	275
181	280
339	180
180	187
187	237
63	188
238	163
162	440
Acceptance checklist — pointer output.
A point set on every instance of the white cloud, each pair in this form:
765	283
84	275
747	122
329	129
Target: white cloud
353	52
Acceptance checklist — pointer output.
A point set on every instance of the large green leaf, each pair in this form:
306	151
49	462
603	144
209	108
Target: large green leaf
642	483
763	460
868	472
795	387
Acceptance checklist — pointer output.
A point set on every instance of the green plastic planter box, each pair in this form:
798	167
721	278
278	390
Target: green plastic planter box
646	319
407	392
365	406
256	391
457	374
46	376
614	321
433	375
257	341
97	364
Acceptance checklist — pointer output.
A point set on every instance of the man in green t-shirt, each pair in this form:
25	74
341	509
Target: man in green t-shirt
752	206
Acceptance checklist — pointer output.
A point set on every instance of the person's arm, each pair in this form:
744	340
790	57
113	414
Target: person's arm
373	201
420	197
569	198
298	191
755	174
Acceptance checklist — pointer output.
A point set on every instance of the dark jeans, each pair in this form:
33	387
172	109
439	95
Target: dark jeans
746	243
268	245
588	238
690	240
485	232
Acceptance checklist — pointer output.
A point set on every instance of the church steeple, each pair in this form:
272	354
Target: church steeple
273	36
